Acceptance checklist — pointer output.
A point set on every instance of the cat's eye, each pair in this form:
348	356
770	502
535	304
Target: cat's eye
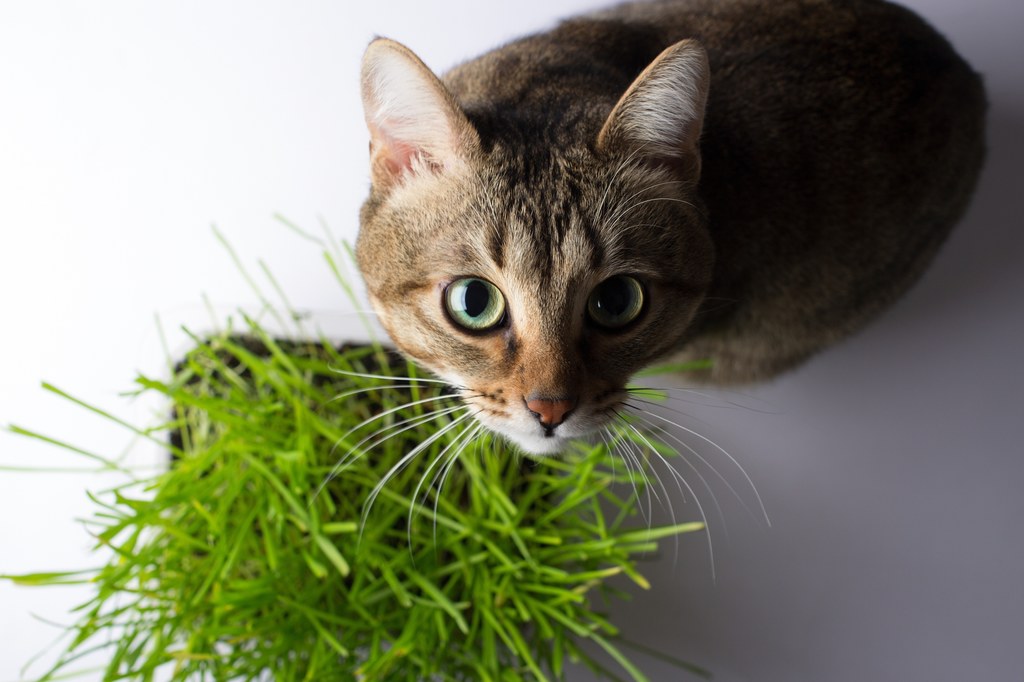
616	302
474	304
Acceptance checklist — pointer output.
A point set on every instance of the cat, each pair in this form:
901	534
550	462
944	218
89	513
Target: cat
742	181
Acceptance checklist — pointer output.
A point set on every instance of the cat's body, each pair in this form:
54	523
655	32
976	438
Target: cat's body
838	144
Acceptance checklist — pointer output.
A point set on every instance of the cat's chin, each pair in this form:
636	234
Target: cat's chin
539	446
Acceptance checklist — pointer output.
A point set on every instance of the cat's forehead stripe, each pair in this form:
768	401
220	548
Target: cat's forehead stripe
496	243
545	224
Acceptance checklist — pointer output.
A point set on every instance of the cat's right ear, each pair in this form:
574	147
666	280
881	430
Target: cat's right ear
661	114
415	124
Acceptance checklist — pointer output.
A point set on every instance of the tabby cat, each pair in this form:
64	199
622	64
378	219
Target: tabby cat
743	181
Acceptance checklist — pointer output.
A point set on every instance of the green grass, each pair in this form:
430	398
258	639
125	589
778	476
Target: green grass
255	556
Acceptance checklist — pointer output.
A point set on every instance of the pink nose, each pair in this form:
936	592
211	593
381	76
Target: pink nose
551	412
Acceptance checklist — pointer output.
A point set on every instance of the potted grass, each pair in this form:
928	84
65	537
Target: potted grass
330	514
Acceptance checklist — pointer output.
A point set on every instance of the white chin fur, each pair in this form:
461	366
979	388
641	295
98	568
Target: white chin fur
534	443
539	446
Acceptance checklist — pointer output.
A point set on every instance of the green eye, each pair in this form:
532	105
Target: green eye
475	304
616	302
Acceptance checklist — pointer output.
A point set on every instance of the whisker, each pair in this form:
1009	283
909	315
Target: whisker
648	201
608	447
359	391
413	501
612	444
387	412
599	211
650	446
643	413
356	451
634	399
662	432
401	464
668	389
645	469
623	230
408	423
718	447
626	208
657	476
672	390
623	210
364	375
680	482
446	469
628	449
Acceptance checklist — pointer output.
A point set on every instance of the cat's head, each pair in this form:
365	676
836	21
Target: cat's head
536	277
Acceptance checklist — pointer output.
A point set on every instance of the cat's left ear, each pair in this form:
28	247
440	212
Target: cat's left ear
661	114
415	124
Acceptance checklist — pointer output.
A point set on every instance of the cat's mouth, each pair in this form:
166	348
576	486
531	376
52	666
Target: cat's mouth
541	429
542	444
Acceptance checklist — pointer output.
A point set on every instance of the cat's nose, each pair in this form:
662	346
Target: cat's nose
550	411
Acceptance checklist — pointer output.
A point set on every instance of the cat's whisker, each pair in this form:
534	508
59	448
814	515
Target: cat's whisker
377	416
649	395
636	402
650	446
626	207
371	389
629	450
662	432
401	464
357	450
712	398
643	466
442	459
386	377
626	210
644	190
447	468
390	411
668	389
735	462
612	443
657	476
644	202
392	430
681	482
413	501
599	211
602	433
623	231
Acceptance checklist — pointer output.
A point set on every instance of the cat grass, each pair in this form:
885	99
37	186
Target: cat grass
254	556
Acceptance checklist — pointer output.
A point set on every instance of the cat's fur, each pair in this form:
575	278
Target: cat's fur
774	172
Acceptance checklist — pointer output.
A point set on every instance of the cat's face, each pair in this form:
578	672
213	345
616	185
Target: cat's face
538	299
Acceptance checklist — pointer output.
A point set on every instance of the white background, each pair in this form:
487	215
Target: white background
892	466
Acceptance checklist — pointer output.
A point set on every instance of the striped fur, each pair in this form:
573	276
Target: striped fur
774	173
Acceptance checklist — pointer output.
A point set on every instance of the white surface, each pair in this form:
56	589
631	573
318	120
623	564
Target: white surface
891	465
